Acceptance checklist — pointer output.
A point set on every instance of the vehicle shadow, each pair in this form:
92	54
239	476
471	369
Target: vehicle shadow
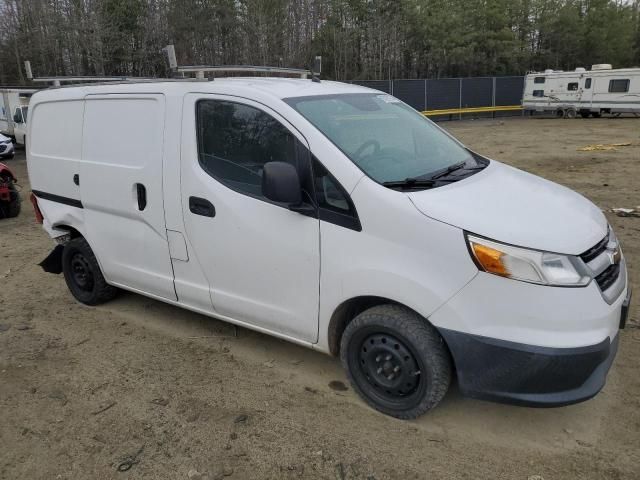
457	416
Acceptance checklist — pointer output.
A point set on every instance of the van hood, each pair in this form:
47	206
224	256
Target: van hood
511	206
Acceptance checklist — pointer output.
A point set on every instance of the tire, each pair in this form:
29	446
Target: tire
560	113
11	208
396	361
15	203
570	113
83	275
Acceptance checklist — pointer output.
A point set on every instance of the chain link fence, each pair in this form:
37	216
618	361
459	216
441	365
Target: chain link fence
432	95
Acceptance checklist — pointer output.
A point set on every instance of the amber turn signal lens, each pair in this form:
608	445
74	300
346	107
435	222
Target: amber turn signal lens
490	259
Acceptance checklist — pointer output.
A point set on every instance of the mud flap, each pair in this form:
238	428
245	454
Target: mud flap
53	262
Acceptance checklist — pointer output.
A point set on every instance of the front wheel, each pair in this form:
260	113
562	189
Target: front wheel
396	361
82	274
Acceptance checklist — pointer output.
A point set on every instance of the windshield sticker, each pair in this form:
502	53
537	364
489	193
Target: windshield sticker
388	99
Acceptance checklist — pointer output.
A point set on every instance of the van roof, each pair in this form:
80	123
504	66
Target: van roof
273	86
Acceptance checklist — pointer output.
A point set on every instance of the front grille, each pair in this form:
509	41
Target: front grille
608	277
596	250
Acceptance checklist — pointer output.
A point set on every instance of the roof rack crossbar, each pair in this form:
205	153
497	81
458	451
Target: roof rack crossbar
200	70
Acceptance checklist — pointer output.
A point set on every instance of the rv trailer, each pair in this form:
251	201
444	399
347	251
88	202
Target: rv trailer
601	90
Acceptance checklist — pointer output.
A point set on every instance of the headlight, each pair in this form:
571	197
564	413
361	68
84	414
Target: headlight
532	266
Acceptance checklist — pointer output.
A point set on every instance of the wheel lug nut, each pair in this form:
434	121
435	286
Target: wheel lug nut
391	377
388	357
378	358
396	369
379	371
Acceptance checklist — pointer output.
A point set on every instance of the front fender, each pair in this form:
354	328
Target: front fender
400	255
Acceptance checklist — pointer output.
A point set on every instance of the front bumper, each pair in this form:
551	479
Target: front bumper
531	345
520	374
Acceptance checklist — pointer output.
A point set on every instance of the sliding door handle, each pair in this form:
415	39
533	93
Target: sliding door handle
142	196
201	206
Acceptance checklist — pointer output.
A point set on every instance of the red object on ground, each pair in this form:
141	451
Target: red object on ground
5	174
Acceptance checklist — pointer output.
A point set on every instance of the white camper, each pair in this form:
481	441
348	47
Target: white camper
601	90
14	105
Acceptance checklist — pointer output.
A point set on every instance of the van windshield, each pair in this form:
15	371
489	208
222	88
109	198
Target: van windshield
387	139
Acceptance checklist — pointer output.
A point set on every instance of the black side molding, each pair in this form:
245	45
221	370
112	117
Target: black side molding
72	202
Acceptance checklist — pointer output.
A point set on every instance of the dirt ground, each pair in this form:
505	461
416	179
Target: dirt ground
83	389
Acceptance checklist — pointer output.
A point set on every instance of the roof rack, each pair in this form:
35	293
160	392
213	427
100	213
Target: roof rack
201	70
58	81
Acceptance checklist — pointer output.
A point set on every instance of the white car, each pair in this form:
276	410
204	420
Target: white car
335	217
7	150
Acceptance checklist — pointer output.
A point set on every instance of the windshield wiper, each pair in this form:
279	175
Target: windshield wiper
409	183
430	181
448	170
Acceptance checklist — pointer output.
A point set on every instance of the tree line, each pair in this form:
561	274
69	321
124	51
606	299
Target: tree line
358	39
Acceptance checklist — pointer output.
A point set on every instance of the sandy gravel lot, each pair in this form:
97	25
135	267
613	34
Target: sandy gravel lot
82	389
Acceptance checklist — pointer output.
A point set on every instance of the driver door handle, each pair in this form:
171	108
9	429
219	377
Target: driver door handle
201	206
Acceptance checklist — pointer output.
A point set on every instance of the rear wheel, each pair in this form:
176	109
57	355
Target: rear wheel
570	113
396	361
82	274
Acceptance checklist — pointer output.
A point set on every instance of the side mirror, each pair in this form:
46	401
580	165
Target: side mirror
280	183
17	118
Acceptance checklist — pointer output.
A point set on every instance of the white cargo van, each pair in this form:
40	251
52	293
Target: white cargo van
336	217
14	106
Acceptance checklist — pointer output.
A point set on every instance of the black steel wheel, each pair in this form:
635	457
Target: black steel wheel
83	275
396	361
81	272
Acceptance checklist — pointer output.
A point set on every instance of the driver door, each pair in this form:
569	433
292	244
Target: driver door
262	260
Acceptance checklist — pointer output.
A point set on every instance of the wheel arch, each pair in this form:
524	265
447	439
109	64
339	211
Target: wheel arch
349	309
75	233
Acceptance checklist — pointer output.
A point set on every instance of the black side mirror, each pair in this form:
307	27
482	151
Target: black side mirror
17	118
280	183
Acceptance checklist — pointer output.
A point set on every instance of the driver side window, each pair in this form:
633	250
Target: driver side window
236	140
